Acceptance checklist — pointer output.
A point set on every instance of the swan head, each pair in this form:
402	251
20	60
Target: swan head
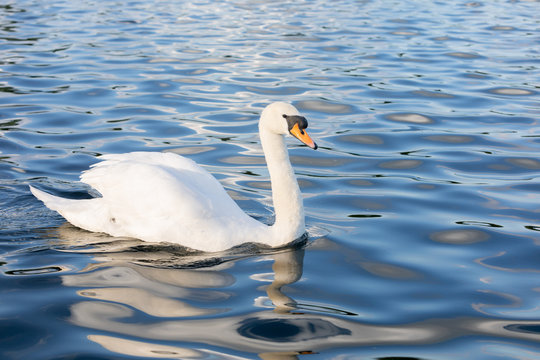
284	119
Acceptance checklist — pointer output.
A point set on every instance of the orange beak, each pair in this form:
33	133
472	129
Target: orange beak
303	136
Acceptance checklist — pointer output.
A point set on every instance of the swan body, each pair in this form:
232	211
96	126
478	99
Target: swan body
165	197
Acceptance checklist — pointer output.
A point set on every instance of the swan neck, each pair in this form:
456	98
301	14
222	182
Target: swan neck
287	199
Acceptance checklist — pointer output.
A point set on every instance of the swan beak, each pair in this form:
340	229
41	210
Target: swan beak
303	136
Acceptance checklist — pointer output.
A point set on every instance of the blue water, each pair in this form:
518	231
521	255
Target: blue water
422	202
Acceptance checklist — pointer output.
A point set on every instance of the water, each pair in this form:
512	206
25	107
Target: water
422	203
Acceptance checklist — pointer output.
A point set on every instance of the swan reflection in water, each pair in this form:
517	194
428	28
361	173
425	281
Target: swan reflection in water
179	299
120	295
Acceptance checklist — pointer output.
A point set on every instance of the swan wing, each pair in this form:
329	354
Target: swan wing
157	197
160	183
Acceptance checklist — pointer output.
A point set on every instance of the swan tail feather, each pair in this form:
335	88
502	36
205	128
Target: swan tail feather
88	214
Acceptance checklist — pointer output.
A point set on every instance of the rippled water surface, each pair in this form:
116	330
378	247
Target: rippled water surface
422	202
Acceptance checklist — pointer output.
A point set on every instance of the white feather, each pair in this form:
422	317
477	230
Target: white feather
166	197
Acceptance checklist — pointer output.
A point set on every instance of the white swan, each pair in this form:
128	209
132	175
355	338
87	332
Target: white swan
164	197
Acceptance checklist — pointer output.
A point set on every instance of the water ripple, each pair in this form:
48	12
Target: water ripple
421	202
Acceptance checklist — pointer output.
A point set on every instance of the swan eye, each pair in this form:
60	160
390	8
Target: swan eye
296	119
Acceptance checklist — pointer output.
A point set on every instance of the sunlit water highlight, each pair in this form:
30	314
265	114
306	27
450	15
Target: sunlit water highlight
422	203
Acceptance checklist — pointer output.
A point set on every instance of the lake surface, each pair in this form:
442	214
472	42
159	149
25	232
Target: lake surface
422	202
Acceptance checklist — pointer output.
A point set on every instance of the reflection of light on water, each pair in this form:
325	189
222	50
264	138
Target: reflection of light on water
400	164
459	236
484	262
512	302
325	107
143	349
492	348
165	282
141	79
511	91
145	301
410	118
115	296
263	331
118	293
453	139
